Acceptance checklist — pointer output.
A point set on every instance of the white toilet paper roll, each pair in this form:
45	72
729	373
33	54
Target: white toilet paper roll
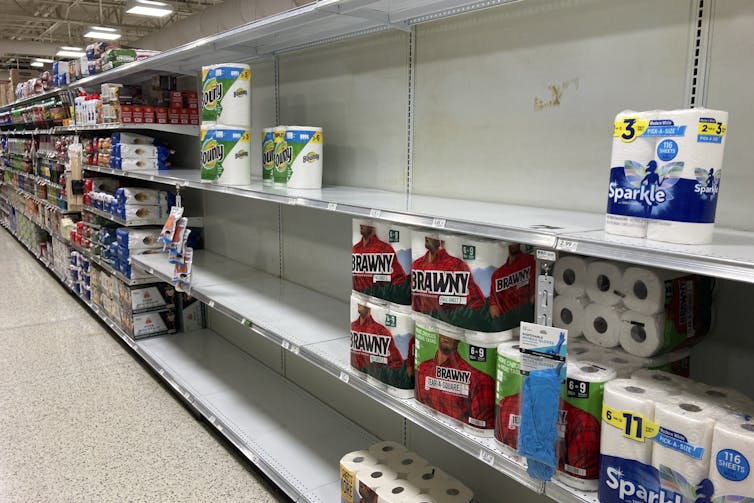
630	396
623	363
732	457
629	147
582	392
644	288
450	491
353	466
570	275
642	334
396	492
569	313
692	209
383	450
404	463
357	460
583	349
603	282
421	498
684	442
379	476
662	380
602	324
723	397
425	477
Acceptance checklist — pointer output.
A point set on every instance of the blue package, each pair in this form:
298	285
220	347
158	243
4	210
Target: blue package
539	419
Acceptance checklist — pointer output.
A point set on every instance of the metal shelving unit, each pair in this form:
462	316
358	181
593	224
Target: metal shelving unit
311	325
164	128
44	202
299	452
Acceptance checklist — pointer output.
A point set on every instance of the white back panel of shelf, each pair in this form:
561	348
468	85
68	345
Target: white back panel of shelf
257	346
731	69
357	91
479	76
262	108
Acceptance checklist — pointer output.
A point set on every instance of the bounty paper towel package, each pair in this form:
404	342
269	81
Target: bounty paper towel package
268	155
454	377
226	95
382	343
225	155
381	260
305	167
665	174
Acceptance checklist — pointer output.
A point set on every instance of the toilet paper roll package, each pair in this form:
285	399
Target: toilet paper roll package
645	288
475	284
685	319
675	189
570	275
631	147
381	260
226	95
732	457
396	491
425	477
142	196
138	238
351	465
570	313
581	411
382	451
661	380
382	344
449	491
454	377
225	155
405	463
508	394
604	281
602	324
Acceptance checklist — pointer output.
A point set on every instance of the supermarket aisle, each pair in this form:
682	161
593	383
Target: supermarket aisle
82	420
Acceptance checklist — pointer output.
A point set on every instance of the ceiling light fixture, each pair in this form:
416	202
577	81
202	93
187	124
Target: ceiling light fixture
37	64
103	28
148	8
44	60
70	48
70	54
102	35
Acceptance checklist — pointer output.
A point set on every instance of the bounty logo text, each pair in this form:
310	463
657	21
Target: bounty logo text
212	93
212	153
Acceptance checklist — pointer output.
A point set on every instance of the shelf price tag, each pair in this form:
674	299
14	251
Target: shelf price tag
332	206
245	322
294	349
292	201
211	303
570	246
374	213
546	255
487	456
344	377
286	345
438	223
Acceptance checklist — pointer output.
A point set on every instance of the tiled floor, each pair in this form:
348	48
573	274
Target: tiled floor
82	421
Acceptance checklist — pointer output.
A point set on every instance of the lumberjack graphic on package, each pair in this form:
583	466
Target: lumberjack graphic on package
381	260
382	343
454	377
472	283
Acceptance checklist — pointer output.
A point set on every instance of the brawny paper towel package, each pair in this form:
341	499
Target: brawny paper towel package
382	344
508	395
732	457
676	187
381	260
602	324
226	95
570	275
570	313
581	410
631	148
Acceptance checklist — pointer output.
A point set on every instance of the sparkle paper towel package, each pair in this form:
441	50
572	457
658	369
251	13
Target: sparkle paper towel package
732	457
665	174
381	260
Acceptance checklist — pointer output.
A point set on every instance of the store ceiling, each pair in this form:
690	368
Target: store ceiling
38	27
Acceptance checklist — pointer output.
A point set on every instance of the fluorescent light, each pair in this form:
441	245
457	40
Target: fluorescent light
103	28
70	48
44	60
37	64
101	35
148	8
70	54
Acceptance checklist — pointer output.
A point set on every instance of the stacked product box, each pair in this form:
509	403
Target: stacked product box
134	241
134	205
130	151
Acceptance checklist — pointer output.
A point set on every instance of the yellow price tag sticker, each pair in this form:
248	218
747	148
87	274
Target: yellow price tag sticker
317	138
712	128
629	128
347	481
634	426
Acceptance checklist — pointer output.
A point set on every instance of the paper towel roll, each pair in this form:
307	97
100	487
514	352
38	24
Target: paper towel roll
424	478
353	466
688	218
404	463
582	348
636	149
644	288
305	168
225	155
226	94
507	395
732	456
623	363
642	334
603	282
581	407
659	379
569	313
396	492
383	450
602	324
450	491
628	395
570	275
687	424
421	498
720	396
268	155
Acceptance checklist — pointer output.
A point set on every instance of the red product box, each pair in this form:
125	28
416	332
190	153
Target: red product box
161	115
191	99
174	116
149	116
176	99
138	114
194	119
126	114
184	117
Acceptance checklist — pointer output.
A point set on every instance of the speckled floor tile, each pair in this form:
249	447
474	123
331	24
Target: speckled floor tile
81	420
